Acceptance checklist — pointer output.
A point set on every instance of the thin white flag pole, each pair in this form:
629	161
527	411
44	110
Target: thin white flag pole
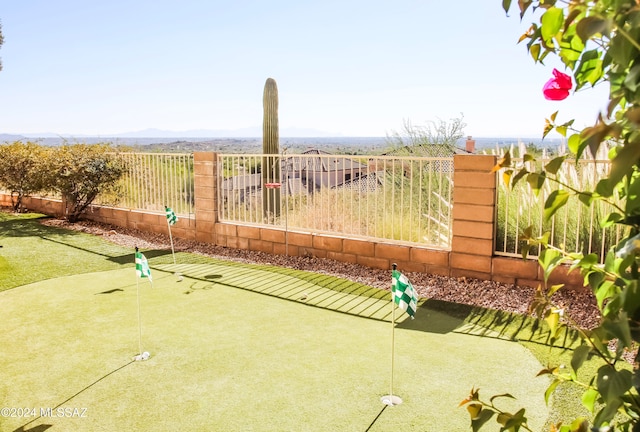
173	252
391	399
171	239
141	355
139	320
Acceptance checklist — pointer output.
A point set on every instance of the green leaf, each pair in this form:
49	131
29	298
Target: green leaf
554	202
611	219
506	4
518	176
593	136
549	259
571	47
632	78
621	50
623	162
589	69
589	399
534	50
550	390
589	260
604	188
590	26
574	144
580	424
552	21
578	358
606	414
553	319
554	289
536	181
562	130
586	197
594	279
619	329
555	164
605	291
613	384
610	262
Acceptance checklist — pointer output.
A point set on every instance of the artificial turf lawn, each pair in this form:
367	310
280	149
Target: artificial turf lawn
33	252
224	358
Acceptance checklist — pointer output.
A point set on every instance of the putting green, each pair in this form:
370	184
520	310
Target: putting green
224	357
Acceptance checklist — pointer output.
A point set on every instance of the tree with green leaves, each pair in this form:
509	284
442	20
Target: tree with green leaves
434	138
598	41
23	169
80	172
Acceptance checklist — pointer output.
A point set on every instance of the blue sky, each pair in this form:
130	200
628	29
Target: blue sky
343	67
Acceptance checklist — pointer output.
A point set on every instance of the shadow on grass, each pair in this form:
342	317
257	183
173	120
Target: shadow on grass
376	419
118	259
44	427
492	323
30	226
111	291
39	428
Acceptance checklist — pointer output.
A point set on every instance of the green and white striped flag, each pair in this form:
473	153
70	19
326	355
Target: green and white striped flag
171	216
404	294
142	267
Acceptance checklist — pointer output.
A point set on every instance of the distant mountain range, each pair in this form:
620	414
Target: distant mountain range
250	132
249	136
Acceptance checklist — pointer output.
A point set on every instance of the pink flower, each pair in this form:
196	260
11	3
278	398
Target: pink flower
557	88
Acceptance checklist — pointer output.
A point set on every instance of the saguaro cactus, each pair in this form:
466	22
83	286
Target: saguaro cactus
270	146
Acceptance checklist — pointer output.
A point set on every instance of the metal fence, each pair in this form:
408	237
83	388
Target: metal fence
575	227
404	199
153	180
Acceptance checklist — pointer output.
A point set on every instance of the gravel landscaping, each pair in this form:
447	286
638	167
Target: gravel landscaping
579	304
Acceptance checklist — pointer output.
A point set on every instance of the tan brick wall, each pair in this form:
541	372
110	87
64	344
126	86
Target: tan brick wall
328	243
205	201
358	247
392	252
437	258
515	267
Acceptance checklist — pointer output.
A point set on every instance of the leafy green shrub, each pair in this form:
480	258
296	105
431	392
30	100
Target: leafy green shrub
80	172
23	170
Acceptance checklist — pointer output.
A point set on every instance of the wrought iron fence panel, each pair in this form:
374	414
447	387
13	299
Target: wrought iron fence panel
403	199
152	181
575	227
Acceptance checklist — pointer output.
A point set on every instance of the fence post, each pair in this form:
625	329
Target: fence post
474	215
206	199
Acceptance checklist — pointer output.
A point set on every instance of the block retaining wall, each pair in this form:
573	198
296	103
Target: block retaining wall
471	254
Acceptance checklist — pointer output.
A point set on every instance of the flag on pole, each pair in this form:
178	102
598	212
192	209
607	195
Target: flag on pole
142	267
404	293
171	216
